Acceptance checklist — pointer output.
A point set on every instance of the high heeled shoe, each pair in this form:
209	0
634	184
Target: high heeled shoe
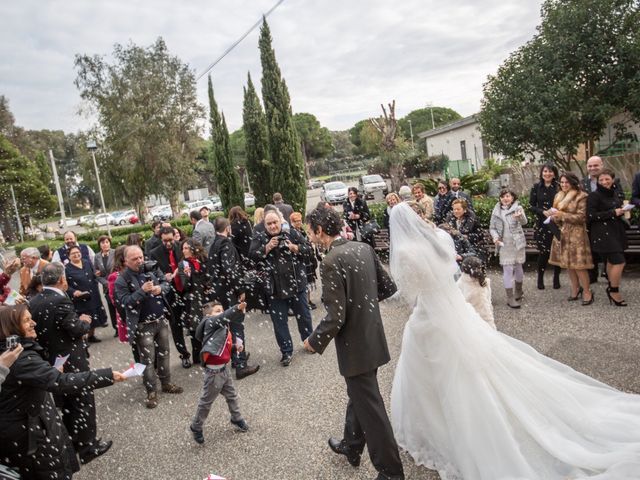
588	302
613	301
573	299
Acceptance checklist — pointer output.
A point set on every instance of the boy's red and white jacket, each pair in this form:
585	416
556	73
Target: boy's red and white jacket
216	340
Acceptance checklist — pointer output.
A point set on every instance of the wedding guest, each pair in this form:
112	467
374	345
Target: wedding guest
462	219
62	254
103	266
540	201
83	290
507	219
442	202
571	250
241	232
420	196
355	211
608	231
392	200
45	252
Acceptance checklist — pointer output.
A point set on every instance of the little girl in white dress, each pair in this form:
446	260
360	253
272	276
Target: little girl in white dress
476	288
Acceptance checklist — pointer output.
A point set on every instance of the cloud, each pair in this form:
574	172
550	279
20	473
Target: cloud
340	59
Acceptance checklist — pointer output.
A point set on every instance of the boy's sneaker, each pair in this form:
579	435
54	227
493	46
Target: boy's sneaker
197	435
240	424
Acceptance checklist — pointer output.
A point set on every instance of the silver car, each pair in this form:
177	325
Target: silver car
334	192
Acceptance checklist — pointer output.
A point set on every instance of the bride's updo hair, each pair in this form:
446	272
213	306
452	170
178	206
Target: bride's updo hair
327	219
475	268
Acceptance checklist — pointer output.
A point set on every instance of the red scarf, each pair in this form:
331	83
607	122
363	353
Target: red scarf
174	266
195	263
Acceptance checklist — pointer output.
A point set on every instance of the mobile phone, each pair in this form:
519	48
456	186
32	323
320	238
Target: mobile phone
11	342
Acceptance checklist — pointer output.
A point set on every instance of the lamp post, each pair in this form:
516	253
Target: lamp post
430	107
413	147
92	147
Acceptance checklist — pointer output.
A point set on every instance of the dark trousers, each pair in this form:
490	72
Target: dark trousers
177	331
79	418
279	311
238	360
366	413
112	310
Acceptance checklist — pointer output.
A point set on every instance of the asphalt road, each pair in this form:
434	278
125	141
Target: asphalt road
292	411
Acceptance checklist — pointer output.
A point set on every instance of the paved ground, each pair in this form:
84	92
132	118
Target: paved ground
292	411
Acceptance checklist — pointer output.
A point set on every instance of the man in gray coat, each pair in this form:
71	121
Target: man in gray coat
353	281
203	231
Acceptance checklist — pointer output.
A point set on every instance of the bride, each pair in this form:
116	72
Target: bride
476	404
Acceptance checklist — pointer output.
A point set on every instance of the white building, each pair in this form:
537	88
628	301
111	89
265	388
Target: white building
460	141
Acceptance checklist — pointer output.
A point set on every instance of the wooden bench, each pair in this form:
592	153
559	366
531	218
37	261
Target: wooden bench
381	241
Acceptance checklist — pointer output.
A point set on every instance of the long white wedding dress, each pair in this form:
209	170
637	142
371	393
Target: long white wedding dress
476	404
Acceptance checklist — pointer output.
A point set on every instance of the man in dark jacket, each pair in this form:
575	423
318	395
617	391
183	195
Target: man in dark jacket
226	270
280	256
60	332
285	209
154	240
168	255
353	281
141	294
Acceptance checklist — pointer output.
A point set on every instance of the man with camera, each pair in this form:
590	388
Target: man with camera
226	270
139	290
280	255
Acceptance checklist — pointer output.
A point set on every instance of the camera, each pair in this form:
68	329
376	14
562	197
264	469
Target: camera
11	342
282	242
147	268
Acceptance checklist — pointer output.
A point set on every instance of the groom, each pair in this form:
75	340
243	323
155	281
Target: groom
353	281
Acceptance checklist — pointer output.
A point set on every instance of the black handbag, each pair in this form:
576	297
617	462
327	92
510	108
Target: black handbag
554	229
369	229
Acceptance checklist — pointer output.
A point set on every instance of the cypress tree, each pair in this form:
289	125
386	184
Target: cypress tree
227	178
257	145
286	157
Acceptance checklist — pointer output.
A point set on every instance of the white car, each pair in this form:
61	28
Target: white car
369	184
249	200
334	192
197	205
102	219
161	212
124	217
217	203
69	222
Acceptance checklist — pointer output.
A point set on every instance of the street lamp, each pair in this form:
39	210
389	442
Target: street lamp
92	147
413	147
430	107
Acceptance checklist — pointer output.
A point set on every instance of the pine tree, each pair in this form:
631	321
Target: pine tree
227	178
257	145
286	157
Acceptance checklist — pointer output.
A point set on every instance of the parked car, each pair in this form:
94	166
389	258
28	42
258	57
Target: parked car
313	184
86	220
101	220
124	217
217	203
68	222
369	184
197	205
249	200
161	213
334	192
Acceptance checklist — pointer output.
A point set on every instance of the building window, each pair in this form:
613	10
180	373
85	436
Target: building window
463	149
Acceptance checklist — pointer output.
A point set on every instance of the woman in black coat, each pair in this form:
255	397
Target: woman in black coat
83	290
355	211
33	438
241	232
192	272
541	200
442	203
607	231
464	221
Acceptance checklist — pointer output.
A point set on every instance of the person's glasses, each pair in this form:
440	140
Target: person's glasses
442	188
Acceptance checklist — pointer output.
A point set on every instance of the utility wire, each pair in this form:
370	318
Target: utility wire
211	66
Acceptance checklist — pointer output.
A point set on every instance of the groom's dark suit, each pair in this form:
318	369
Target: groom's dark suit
353	281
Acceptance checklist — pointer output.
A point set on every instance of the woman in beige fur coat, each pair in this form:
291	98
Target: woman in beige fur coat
572	250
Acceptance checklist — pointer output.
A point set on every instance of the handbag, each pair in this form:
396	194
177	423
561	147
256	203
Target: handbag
369	229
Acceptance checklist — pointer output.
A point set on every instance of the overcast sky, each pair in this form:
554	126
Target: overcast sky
340	58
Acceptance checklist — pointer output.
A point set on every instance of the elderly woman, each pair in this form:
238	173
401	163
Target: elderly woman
420	196
571	250
83	290
608	232
32	436
541	200
465	222
392	200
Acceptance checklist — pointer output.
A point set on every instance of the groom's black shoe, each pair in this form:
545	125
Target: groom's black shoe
340	447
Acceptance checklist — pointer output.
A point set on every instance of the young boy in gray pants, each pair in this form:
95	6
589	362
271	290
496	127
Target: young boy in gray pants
213	332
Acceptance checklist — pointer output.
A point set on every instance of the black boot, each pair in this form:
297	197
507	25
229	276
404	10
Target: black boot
540	278
556	277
